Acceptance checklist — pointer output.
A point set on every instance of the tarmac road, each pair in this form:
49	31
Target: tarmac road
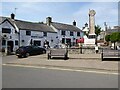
30	77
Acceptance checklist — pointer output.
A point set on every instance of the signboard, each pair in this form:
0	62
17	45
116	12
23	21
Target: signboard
37	36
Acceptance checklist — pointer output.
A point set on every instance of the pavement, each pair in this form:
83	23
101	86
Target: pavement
76	62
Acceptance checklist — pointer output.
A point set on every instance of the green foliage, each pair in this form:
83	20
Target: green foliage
119	36
114	37
97	30
107	38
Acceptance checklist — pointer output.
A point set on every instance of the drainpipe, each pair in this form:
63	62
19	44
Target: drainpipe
19	38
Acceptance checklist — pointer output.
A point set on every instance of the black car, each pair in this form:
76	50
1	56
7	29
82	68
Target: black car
26	51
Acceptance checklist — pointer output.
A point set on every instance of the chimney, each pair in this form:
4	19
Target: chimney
74	23
86	25
48	21
12	16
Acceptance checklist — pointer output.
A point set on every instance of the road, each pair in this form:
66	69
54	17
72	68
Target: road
30	77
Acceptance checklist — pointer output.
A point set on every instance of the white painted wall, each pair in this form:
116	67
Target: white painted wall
68	35
51	37
14	35
27	39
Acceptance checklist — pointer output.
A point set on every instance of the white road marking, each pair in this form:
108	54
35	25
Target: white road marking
63	69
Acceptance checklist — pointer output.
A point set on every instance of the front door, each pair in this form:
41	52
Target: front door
10	45
68	41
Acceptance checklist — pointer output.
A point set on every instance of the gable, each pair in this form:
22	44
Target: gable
7	24
6	27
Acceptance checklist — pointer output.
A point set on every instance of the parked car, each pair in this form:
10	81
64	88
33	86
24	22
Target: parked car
26	51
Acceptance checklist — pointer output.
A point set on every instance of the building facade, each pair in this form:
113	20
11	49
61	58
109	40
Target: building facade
15	33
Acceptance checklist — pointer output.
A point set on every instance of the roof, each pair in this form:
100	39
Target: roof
86	29
25	25
33	26
61	26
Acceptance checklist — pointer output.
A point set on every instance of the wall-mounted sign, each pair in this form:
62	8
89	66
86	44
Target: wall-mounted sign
37	36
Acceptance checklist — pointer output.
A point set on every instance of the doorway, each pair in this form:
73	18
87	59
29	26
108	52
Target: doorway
10	45
68	41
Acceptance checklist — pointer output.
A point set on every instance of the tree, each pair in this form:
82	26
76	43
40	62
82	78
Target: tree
119	37
97	30
107	38
115	37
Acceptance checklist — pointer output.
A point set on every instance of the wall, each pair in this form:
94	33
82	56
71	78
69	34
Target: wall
51	37
12	36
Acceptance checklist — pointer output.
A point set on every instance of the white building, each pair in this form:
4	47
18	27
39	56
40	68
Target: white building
67	34
15	33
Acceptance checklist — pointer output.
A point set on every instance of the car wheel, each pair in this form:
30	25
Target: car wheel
27	54
19	56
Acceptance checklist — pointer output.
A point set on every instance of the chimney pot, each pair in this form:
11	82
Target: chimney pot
48	20
12	16
86	25
74	23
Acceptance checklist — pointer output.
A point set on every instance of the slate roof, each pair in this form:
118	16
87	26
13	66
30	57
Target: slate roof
61	26
33	26
25	25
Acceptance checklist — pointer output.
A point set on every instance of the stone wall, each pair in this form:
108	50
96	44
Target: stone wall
84	51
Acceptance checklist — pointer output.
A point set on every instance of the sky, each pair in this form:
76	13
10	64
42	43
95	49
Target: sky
63	12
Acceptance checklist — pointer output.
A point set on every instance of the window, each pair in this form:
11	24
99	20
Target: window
6	30
44	33
71	33
78	33
16	42
37	43
62	32
3	42
28	33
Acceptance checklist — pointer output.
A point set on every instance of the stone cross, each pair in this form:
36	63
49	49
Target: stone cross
92	21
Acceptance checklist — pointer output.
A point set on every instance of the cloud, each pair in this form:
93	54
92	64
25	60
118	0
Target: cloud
105	12
64	12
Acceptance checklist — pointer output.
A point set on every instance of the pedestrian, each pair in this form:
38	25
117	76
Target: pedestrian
96	49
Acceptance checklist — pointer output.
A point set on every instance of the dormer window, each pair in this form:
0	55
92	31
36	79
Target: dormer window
6	30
